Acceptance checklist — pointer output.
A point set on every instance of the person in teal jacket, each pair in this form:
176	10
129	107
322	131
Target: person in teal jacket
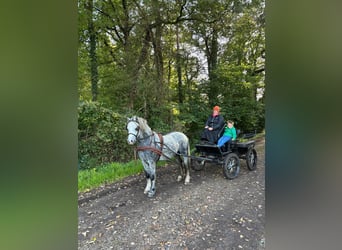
229	134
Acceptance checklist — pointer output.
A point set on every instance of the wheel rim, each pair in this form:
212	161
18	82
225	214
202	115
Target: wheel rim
251	159
232	166
198	164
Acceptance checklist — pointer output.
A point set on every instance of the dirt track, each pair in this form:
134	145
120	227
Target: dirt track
209	213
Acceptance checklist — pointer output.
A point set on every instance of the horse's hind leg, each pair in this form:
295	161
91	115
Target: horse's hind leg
187	164
181	166
187	170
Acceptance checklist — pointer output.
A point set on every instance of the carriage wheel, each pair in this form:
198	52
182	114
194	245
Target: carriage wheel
231	166
251	159
198	164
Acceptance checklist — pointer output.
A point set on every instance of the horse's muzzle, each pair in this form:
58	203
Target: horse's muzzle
131	141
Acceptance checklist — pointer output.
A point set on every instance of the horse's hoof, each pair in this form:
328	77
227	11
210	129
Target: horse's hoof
150	194
179	178
187	181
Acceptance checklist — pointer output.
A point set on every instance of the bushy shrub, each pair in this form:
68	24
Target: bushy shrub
101	136
248	116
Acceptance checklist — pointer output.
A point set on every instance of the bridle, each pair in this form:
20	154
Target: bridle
137	129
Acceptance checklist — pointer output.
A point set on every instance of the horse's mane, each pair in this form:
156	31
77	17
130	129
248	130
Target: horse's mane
143	125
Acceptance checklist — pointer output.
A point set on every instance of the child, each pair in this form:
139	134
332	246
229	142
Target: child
229	133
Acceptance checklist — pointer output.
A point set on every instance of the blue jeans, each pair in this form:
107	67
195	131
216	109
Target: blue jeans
223	140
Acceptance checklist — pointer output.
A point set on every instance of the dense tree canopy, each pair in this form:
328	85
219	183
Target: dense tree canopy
170	61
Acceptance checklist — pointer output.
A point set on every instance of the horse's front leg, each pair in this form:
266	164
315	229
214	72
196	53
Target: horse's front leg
150	172
152	191
148	183
147	174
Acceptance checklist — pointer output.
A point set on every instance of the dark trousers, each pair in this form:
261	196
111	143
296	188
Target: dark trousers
210	136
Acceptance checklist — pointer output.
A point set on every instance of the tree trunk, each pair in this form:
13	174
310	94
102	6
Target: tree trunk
212	50
211	47
179	68
134	70
158	54
92	52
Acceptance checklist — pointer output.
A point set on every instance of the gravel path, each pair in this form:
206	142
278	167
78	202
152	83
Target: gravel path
209	213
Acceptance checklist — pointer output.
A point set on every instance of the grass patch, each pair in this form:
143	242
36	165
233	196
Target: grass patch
109	173
95	177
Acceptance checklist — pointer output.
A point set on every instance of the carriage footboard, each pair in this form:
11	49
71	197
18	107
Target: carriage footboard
209	149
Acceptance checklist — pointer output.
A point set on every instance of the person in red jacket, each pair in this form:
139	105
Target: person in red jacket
213	126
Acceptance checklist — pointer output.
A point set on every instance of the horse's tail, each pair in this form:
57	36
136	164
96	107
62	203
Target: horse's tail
188	155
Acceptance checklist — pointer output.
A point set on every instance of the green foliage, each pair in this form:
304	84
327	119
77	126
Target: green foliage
238	97
169	62
192	119
101	135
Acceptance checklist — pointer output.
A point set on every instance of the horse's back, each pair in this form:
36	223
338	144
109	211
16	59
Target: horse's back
177	136
177	141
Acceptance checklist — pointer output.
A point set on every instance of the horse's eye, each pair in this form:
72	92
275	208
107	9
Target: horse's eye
136	129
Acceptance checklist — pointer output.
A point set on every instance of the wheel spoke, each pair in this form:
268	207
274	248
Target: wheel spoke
231	166
251	159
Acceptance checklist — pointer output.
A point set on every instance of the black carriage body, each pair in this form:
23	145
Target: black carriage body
207	151
227	156
241	148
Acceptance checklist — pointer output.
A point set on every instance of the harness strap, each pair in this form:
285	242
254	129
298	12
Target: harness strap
154	149
161	141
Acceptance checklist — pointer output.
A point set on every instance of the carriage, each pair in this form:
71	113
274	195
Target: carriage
152	147
228	156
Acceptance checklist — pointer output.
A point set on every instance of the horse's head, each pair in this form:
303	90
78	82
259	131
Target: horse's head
133	129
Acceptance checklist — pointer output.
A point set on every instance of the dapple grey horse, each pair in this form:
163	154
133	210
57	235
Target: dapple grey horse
152	147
